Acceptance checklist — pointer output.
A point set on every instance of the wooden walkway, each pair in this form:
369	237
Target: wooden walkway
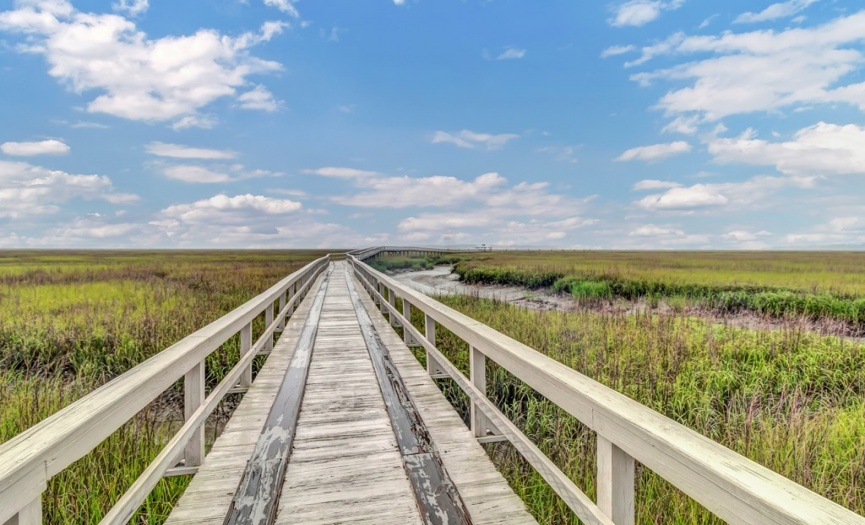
346	463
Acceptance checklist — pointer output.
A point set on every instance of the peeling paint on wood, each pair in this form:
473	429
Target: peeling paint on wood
256	499
437	497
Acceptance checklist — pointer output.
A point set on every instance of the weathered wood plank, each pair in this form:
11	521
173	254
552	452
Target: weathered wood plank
437	497
256	498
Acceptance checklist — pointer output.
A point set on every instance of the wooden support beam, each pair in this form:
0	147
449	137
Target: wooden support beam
615	482
432	366
245	345
480	424
29	515
406	313
268	320
391	298
193	398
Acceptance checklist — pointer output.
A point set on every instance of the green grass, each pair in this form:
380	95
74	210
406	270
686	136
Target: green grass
390	263
71	321
792	401
807	284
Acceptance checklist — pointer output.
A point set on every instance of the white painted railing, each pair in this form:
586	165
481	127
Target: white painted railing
729	485
33	457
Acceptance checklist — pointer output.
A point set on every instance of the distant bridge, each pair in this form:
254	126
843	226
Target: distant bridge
342	424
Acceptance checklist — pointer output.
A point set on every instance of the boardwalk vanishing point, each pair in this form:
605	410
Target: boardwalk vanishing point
342	424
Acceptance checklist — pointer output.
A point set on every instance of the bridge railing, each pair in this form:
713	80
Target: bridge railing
33	457
368	253
729	485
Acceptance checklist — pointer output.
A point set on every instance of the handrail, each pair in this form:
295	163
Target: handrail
30	459
729	485
366	253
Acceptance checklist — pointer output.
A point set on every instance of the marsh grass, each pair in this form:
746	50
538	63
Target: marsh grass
71	321
789	400
814	285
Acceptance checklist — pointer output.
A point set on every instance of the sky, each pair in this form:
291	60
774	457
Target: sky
643	124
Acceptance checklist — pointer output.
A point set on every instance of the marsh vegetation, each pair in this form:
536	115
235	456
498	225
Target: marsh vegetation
71	321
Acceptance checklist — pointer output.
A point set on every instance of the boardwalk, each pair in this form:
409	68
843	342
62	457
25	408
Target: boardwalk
343	425
345	465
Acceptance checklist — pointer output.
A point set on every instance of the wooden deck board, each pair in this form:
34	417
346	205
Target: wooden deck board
345	465
484	490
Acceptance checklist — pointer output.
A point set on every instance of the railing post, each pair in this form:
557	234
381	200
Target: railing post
481	426
193	398
432	366
615	482
268	320
282	299
406	312
391	298
29	515
245	345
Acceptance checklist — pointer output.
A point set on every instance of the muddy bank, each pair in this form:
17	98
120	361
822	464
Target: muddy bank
442	281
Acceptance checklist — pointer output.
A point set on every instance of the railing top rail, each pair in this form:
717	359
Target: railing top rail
728	484
45	449
368	252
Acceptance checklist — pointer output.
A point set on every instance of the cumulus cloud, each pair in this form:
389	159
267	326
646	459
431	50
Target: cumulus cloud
131	7
511	53
775	11
744	236
286	6
640	12
470	139
178	151
616	50
650	230
30	149
760	70
259	98
26	189
136	77
713	196
409	192
818	150
654	152
341	173
214	174
654	184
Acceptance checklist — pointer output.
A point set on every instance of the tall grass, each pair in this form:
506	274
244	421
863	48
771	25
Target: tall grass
71	321
790	400
813	285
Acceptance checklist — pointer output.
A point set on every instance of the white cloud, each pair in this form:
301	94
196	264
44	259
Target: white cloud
408	192
137	78
131	7
761	70
195	121
511	53
650	230
744	236
259	98
710	196
286	6
30	149
26	189
211	175
178	151
616	50
641	12
562	153
774	11
222	209
654	152
470	139
818	150
196	174
653	184
342	173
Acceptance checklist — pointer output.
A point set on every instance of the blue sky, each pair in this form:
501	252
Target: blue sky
648	124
